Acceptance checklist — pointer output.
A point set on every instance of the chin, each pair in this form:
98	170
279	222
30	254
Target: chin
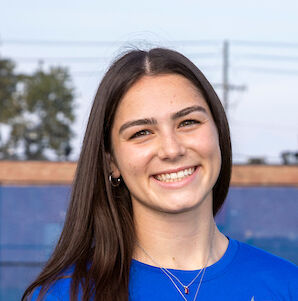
176	208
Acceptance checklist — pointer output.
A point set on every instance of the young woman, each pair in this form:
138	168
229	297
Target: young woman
154	170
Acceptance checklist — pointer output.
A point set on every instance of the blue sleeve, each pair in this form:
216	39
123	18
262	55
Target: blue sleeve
48	296
58	291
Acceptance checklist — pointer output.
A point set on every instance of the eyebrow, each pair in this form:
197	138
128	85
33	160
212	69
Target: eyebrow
137	122
187	111
150	121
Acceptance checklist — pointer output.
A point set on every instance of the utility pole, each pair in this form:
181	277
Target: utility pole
225	78
225	74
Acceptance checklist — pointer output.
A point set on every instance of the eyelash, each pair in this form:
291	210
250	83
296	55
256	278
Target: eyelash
140	134
187	122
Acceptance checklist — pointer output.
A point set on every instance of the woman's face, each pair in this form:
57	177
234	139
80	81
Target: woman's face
165	144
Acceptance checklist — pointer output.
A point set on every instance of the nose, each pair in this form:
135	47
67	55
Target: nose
171	147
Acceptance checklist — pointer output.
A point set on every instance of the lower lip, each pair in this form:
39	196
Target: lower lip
177	184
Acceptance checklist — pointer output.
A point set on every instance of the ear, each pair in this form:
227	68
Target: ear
113	166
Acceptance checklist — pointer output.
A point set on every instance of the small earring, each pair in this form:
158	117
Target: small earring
114	181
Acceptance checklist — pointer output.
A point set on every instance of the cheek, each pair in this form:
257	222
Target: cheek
133	160
209	150
207	144
213	149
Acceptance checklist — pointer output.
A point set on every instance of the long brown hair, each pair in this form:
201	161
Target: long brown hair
98	235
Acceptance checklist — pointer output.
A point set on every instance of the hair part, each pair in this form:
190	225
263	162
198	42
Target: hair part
98	237
147	65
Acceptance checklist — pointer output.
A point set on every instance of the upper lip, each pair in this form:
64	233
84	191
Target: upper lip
175	170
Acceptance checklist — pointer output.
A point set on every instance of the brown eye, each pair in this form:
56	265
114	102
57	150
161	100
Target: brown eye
188	122
140	134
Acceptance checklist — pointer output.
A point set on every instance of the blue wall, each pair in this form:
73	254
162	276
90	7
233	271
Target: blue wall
31	218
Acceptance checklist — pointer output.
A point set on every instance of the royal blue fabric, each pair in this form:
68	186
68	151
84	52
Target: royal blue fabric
243	273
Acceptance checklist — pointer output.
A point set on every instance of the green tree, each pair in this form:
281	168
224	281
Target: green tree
41	118
9	107
8	84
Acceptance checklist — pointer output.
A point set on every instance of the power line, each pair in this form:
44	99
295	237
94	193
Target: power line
68	59
177	42
267	57
97	58
61	43
264	44
104	43
269	70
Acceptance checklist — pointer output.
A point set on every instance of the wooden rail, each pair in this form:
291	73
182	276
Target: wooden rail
62	173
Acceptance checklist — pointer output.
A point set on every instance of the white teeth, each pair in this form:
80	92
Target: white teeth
175	176
180	174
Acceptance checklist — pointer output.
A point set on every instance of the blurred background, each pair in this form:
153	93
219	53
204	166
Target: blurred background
52	58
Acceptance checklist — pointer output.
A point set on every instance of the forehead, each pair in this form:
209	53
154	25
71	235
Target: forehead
159	96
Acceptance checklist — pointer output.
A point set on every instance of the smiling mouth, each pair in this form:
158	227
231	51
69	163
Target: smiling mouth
175	176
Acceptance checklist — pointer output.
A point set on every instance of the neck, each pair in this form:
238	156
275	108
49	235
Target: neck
178	241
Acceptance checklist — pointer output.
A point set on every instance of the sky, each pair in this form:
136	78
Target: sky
263	55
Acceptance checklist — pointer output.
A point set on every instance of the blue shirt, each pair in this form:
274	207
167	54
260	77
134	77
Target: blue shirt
243	273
